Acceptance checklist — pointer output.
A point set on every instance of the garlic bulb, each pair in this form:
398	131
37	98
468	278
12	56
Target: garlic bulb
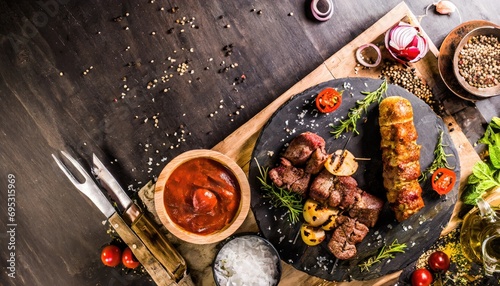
445	7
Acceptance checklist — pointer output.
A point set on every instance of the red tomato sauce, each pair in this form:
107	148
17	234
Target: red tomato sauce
202	196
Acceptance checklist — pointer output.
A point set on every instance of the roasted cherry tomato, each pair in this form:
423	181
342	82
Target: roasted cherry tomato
439	262
443	180
111	255
128	259
421	277
328	100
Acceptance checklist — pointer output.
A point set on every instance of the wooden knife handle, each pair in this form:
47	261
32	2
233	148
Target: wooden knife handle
141	252
148	231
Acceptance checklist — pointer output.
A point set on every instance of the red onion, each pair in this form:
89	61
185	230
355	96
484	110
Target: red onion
405	43
360	57
322	10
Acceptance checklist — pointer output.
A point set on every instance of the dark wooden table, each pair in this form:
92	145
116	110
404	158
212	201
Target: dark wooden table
139	82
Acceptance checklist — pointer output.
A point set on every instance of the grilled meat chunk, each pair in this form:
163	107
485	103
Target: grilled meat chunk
335	191
289	177
301	147
321	187
316	162
367	209
345	237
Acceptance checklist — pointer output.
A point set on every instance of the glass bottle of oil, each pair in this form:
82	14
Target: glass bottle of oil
480	223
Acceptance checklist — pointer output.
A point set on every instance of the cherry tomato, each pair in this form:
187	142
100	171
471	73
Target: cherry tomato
128	259
328	100
443	180
439	262
421	277
111	255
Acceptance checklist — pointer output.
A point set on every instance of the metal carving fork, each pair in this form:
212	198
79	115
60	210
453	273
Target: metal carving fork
165	265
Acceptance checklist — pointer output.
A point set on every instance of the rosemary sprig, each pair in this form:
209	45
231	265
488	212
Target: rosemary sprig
384	253
280	197
440	160
355	112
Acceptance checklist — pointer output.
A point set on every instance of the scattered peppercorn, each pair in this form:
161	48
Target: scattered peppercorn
408	79
479	61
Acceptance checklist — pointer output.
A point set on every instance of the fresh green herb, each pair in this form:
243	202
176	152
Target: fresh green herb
483	178
439	158
280	197
384	253
491	138
355	113
485	174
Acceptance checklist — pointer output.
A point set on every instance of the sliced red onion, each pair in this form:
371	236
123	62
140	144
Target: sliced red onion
405	43
362	61
402	36
319	15
422	45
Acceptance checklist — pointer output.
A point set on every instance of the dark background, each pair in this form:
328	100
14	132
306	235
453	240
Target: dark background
137	90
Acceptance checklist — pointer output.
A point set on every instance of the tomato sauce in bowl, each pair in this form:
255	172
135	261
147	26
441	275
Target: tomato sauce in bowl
202	196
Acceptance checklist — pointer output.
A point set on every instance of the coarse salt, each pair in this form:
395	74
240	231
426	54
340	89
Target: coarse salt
246	260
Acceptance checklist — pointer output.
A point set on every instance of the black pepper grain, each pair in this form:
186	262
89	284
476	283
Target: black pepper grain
479	61
408	79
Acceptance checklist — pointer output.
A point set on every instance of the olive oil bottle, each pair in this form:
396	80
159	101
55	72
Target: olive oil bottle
491	254
480	223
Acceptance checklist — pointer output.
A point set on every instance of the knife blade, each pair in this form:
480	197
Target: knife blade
141	224
109	183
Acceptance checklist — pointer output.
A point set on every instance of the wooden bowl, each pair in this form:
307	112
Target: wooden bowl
481	92
161	196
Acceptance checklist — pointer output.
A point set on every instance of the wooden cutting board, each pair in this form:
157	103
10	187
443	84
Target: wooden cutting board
239	145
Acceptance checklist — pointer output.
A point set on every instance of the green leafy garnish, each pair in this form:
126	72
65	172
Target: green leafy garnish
491	138
485	174
439	158
384	253
280	197
355	113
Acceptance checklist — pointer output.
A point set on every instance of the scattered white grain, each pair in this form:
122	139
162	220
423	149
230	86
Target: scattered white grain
281	238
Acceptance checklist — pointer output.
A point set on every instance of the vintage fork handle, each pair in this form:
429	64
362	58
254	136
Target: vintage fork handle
155	269
157	243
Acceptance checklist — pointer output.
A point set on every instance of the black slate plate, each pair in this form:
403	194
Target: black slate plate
418	232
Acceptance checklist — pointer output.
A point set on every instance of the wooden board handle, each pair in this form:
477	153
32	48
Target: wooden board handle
159	246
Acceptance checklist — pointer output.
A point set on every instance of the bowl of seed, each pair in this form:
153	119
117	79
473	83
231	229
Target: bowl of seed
476	61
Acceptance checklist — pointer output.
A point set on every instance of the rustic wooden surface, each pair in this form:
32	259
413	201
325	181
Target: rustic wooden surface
75	76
